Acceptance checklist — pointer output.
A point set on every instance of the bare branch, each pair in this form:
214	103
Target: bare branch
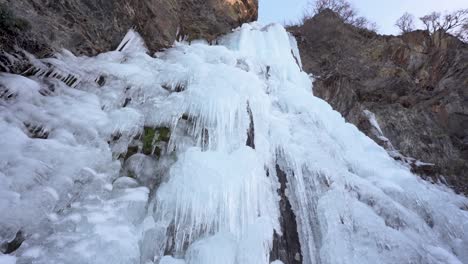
346	12
454	23
405	23
431	22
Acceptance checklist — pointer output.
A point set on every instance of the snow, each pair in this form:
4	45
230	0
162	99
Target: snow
277	262
171	260
209	198
132	42
392	151
33	252
374	123
7	259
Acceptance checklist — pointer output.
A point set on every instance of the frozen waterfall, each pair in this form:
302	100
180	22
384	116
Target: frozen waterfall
190	157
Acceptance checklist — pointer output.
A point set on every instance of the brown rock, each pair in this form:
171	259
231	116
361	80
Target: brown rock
90	27
417	88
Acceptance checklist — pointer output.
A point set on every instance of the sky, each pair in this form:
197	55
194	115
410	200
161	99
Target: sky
383	12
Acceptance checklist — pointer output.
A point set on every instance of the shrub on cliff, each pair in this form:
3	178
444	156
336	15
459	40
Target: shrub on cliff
9	23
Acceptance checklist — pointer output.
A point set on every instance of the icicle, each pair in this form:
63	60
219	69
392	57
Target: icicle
236	111
132	42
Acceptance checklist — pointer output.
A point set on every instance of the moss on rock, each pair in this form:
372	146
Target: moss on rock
153	136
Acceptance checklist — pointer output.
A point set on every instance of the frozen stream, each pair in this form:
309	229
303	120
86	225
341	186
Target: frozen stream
237	116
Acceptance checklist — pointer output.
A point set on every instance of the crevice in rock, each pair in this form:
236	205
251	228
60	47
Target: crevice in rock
175	87
37	131
101	80
171	247
127	101
6	94
296	60
12	246
170	240
267	73
286	246
50	71
251	132
123	46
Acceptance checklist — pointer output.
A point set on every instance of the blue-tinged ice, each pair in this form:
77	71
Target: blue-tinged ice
236	112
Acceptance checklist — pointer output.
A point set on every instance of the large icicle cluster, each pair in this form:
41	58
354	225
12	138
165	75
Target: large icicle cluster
238	112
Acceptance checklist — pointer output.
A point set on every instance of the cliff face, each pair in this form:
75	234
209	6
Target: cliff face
415	88
90	27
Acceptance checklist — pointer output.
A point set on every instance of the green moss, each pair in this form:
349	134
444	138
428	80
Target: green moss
148	138
164	134
130	152
152	136
131	174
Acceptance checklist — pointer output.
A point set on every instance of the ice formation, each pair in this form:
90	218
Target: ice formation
237	112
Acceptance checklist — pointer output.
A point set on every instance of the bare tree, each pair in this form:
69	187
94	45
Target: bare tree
405	23
346	12
431	22
455	23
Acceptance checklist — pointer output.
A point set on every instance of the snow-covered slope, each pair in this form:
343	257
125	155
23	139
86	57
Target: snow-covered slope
238	113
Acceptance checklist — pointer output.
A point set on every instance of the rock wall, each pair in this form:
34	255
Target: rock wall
42	27
416	87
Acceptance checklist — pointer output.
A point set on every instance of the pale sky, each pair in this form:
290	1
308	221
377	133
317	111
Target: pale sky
383	12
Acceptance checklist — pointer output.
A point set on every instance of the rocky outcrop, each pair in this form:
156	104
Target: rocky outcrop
90	27
415	85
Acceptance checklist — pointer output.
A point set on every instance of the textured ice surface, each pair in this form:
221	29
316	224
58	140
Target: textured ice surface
235	111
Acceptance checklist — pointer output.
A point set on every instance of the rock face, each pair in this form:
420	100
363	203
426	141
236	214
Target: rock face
415	85
90	27
286	247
